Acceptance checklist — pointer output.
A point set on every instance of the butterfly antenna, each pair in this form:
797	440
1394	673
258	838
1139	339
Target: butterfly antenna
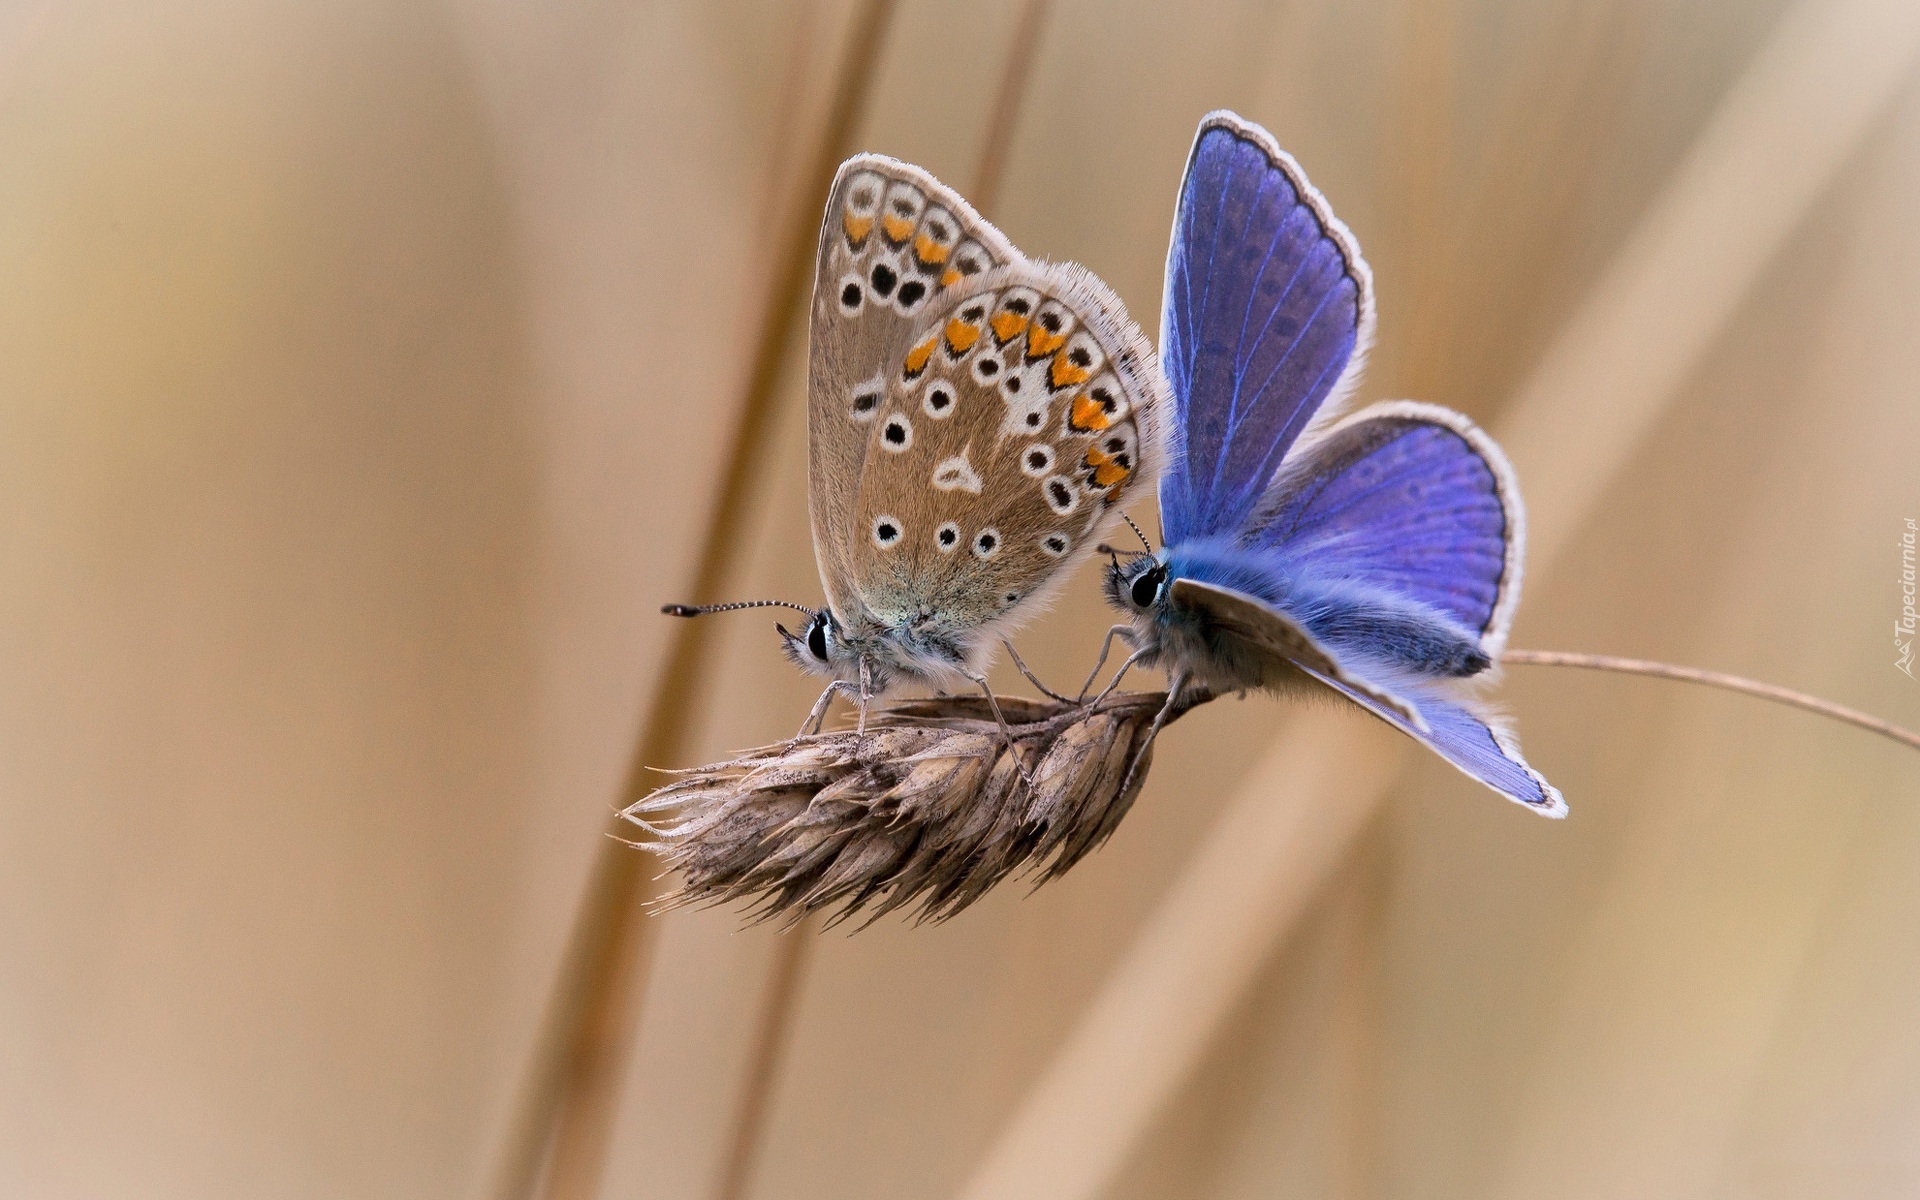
1137	533
697	610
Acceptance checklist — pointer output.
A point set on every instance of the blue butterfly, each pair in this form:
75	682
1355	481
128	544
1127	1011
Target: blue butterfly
1379	555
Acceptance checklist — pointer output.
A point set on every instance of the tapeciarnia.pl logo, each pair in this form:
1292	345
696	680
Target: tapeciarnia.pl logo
1903	628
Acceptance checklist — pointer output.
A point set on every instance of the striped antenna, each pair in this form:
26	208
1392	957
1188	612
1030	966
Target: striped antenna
696	610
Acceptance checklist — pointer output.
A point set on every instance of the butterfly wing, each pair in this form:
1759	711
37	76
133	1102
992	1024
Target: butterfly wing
1413	499
1009	430
1237	623
1250	629
894	244
1268	307
1476	745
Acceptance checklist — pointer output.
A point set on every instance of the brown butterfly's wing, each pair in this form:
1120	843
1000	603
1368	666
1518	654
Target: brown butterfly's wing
1009	430
895	245
1266	630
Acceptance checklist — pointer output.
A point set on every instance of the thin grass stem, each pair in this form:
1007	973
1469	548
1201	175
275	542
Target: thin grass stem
1715	679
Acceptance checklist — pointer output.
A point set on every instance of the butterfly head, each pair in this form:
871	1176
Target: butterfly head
820	648
1136	583
863	656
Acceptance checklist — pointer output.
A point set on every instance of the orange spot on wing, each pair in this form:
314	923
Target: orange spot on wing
1040	343
896	228
961	337
951	277
1106	472
928	251
1088	415
1007	326
857	229
918	356
1066	374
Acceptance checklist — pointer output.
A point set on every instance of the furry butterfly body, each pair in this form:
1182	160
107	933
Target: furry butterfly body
1379	555
974	420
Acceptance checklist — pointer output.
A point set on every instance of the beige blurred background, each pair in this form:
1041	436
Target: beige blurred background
365	373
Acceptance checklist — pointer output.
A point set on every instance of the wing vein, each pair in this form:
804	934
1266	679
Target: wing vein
1253	291
1220	463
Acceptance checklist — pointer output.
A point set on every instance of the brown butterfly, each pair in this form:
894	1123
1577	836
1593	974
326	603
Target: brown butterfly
975	419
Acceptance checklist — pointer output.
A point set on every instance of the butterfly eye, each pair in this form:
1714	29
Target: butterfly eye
1146	588
817	639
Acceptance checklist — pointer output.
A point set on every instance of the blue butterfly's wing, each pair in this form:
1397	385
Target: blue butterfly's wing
1248	629
1244	628
1477	747
1267	304
1410	499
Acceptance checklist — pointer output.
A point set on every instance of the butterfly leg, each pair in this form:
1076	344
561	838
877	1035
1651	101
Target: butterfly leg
1031	677
1124	633
1174	688
1006	731
866	694
818	716
1113	683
